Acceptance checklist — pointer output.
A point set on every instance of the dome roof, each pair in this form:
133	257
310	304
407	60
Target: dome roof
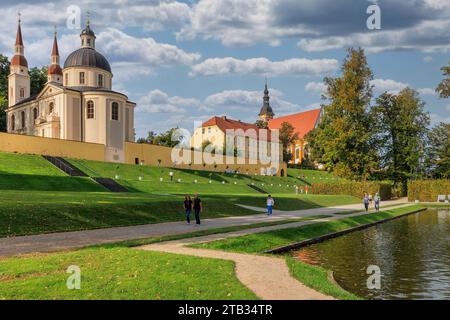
87	57
19	61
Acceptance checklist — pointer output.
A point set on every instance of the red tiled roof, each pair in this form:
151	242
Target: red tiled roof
303	122
225	124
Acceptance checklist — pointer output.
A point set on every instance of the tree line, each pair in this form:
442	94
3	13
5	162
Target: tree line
388	137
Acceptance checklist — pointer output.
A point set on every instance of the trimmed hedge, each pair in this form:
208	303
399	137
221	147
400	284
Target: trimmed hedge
356	189
427	190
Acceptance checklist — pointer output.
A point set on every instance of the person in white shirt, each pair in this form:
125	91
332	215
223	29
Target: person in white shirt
270	204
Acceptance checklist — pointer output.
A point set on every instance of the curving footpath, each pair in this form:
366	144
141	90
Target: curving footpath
267	276
78	239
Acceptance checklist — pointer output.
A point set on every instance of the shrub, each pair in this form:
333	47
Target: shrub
427	190
356	189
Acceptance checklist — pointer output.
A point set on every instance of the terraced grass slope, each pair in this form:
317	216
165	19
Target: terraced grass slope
148	179
313	176
32	172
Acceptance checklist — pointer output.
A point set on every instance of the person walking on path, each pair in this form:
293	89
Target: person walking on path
188	208
377	202
366	201
306	189
270	204
197	208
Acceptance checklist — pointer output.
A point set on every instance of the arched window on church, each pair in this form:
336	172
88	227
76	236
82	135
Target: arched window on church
90	110
22	92
22	119
115	111
13	122
35	113
51	107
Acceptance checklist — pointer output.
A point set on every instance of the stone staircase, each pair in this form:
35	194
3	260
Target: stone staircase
258	189
111	184
65	166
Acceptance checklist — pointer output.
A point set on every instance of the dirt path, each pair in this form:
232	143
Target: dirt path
267	277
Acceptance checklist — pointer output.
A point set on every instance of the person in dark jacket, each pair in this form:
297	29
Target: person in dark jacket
197	205
188	208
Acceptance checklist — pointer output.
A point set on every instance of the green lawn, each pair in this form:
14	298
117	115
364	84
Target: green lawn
120	273
34	212
313	176
289	202
147	179
32	172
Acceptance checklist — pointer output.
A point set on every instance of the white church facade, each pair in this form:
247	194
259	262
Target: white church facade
77	103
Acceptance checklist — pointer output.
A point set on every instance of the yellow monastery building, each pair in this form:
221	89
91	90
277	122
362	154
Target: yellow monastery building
77	103
213	131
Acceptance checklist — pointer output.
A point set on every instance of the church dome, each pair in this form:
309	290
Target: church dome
87	57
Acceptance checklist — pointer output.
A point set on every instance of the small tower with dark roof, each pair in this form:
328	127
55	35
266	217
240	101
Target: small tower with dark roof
18	79
266	112
55	73
87	35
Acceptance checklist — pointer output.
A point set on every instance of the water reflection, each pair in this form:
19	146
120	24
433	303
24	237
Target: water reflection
412	252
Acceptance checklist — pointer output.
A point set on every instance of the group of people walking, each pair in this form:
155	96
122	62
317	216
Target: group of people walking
368	199
195	205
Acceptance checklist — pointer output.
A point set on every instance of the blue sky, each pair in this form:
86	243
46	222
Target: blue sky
183	61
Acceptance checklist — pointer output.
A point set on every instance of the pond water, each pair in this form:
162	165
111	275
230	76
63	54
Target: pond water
413	254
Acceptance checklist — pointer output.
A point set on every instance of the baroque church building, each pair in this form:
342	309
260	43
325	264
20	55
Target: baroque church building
77	103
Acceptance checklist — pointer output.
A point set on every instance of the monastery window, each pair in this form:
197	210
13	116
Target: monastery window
22	119
35	113
100	80
13	122
203	130
22	92
51	107
209	130
82	77
90	110
115	111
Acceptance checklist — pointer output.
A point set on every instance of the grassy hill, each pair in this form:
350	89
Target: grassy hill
32	172
36	197
148	179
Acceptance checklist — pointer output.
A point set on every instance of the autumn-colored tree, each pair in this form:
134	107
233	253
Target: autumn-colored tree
343	140
287	136
444	87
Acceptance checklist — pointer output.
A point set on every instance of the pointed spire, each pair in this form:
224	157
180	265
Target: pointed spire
266	112
55	50
19	40
54	69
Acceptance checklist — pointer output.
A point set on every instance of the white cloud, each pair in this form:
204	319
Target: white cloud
428	36
388	85
157	101
427	91
123	47
315	87
229	65
394	87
